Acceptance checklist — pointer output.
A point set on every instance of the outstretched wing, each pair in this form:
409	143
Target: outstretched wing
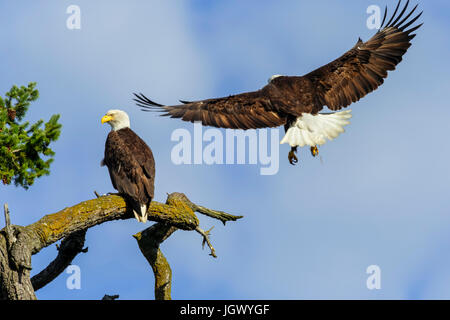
248	110
363	68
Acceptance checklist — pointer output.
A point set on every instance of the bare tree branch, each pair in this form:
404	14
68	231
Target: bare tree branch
220	215
15	256
8	230
149	241
205	235
70	247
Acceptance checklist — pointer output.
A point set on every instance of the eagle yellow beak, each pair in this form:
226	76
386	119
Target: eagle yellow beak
106	118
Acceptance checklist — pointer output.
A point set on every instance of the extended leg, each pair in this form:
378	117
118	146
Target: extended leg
292	157
314	151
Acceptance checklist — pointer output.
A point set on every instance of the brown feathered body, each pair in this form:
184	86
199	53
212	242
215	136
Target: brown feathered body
131	167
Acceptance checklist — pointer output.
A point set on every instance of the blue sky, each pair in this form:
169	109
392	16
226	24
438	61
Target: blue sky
379	195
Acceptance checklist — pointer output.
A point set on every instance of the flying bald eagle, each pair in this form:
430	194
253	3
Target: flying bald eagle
295	101
130	163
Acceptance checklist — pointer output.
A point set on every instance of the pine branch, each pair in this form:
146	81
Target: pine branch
25	152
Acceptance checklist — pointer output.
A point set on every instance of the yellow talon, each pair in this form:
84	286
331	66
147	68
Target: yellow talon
314	151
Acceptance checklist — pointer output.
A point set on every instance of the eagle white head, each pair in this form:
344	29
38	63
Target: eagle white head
273	77
117	119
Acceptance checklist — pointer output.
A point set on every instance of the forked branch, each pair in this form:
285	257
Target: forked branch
150	239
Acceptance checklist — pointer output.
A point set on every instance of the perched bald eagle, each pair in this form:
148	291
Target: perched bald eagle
295	101
130	163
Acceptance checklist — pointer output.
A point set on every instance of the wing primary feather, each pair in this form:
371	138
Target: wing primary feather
185	101
407	17
152	110
401	14
150	107
384	18
393	16
411	22
146	102
413	29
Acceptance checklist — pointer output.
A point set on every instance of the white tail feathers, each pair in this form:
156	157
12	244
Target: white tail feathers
142	217
314	130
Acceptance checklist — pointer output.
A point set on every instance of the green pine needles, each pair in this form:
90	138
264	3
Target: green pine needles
24	150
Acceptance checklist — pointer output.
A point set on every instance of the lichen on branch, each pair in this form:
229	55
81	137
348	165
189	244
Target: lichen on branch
15	259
